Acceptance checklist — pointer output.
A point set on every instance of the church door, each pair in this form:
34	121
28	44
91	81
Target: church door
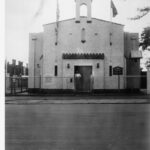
83	78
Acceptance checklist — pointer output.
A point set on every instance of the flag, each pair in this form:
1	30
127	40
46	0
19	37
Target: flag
114	10
57	23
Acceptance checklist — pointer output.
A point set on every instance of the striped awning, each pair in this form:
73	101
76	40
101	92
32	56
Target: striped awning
83	56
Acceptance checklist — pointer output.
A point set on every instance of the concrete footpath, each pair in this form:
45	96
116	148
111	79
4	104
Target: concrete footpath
79	99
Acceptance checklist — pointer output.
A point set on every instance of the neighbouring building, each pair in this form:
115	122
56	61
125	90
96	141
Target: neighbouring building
16	69
84	54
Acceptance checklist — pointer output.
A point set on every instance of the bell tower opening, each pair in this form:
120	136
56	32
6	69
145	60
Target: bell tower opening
83	8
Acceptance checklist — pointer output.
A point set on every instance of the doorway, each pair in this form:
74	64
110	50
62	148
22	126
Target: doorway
83	78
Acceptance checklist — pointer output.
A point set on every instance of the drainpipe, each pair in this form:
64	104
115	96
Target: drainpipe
34	39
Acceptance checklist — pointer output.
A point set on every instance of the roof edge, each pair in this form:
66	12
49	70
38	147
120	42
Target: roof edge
85	17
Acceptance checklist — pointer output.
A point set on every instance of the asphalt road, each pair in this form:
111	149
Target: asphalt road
78	127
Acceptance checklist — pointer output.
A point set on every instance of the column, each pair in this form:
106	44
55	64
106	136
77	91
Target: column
89	13
148	81
77	12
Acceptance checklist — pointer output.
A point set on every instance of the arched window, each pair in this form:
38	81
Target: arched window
83	32
83	10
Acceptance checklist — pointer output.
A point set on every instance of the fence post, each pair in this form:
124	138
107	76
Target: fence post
11	85
118	82
21	83
27	83
14	84
148	81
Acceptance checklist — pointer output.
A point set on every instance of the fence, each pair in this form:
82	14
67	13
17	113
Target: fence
20	84
16	85
94	82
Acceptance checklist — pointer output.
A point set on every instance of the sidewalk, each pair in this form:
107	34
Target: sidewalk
17	91
78	99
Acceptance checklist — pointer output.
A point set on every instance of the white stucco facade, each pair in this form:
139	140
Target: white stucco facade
78	36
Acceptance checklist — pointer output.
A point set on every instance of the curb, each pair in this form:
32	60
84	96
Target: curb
81	101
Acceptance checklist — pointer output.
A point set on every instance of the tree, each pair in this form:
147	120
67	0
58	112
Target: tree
141	13
145	36
145	39
147	64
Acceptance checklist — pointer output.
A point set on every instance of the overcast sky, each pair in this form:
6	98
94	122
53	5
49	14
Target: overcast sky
25	16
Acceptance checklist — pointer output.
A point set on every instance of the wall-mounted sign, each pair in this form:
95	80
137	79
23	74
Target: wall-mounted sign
48	79
117	70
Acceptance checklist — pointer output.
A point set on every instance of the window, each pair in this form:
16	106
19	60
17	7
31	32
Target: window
68	66
97	66
135	60
83	10
56	70
110	70
83	35
71	80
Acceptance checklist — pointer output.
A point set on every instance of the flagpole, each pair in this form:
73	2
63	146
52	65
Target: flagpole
57	22
56	28
113	13
110	34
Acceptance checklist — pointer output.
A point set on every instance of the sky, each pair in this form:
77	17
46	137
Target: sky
27	16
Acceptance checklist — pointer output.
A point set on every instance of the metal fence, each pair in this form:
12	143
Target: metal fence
16	85
95	82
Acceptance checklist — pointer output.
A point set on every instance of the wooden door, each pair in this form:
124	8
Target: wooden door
83	78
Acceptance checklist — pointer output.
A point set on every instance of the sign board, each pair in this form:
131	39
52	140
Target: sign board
117	70
48	79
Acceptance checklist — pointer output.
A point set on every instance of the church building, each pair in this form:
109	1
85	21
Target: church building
83	54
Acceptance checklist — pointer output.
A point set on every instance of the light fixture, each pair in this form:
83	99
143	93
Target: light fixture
68	66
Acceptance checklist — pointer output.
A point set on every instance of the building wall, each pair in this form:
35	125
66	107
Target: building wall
69	41
148	81
35	63
14	69
98	73
133	65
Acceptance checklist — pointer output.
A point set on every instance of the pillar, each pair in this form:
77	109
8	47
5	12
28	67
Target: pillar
148	81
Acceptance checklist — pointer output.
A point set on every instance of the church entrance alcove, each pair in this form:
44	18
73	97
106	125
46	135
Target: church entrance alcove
83	78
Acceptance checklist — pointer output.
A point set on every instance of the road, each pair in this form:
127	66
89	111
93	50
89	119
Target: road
77	126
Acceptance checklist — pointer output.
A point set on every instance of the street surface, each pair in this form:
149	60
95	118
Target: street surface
74	126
